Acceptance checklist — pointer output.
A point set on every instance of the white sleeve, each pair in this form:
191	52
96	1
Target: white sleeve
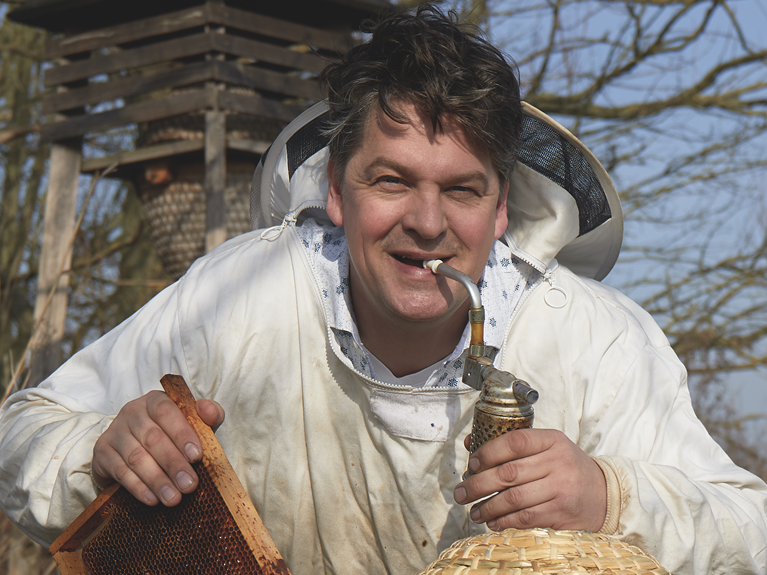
47	433
681	497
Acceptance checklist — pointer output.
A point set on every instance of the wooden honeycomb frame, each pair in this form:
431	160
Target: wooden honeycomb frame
214	530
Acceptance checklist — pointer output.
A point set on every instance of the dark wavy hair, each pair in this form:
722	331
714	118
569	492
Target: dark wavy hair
444	67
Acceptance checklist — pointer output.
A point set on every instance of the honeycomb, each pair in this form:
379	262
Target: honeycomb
199	535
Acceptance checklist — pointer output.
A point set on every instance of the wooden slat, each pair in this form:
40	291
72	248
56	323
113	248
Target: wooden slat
259	79
252	146
274	28
228	72
266	52
169	149
138	30
194	17
144	154
257	105
215	178
142	112
126	87
181	48
152	54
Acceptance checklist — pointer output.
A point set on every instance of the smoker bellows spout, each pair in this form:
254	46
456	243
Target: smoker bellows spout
476	311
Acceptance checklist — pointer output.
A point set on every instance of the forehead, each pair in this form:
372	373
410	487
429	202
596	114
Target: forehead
417	142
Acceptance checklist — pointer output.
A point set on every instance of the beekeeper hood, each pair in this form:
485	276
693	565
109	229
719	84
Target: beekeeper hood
561	202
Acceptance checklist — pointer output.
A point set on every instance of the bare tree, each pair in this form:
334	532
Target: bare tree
672	97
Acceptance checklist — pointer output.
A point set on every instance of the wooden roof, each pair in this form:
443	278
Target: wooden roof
72	16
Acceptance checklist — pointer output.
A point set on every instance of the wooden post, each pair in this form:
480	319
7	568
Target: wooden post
215	178
60	214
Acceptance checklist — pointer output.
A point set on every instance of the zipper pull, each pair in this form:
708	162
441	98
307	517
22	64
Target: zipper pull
554	297
271	234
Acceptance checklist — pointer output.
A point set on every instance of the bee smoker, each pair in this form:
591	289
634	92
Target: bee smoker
505	402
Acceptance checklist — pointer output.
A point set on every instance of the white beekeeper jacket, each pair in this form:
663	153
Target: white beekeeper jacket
342	490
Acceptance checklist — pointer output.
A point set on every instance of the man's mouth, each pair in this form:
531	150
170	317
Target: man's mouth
409	261
418	263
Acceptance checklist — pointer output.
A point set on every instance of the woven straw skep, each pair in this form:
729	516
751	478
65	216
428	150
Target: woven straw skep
543	551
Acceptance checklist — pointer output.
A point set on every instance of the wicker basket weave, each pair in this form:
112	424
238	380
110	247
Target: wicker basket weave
543	551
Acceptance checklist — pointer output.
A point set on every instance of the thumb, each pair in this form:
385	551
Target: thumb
210	412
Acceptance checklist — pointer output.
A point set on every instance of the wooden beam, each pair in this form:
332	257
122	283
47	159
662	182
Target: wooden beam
60	214
126	87
267	80
173	105
168	149
215	178
195	17
253	146
144	154
275	28
229	72
182	48
264	52
130	32
152	54
258	106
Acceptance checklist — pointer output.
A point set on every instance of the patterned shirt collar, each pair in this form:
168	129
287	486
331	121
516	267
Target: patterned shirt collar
502	287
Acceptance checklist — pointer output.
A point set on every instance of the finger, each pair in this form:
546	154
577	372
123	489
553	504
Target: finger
542	515
154	453
516	444
467	442
513	500
108	464
505	475
211	413
166	414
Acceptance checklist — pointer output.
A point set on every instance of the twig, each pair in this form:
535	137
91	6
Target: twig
38	323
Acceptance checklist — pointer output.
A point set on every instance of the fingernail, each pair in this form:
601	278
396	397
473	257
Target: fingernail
183	480
474	464
460	494
150	498
475	514
167	494
192	452
492	524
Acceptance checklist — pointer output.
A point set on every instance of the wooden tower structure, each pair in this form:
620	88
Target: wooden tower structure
208	84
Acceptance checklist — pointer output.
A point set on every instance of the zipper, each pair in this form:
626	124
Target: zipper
517	310
274	232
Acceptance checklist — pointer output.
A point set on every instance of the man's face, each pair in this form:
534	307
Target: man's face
409	195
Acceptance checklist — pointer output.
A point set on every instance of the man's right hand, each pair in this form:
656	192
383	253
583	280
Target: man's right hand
149	448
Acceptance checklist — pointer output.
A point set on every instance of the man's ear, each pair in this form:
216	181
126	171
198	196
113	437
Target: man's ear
501	213
335	198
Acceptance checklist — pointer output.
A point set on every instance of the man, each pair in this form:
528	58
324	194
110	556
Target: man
334	353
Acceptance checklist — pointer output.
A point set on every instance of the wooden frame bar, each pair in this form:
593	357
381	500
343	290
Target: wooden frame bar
192	18
173	105
252	539
178	48
229	72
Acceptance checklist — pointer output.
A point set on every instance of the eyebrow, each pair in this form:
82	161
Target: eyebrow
384	162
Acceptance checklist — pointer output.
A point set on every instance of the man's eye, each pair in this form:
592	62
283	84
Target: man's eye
390	181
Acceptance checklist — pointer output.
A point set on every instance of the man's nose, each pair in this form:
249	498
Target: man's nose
425	214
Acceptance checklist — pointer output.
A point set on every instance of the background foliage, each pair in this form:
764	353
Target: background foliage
670	95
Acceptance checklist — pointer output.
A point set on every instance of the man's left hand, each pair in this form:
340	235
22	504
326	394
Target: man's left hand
540	479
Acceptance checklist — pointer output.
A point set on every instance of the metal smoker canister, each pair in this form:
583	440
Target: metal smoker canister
505	403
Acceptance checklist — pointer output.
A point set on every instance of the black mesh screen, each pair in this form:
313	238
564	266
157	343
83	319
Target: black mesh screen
305	143
547	152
